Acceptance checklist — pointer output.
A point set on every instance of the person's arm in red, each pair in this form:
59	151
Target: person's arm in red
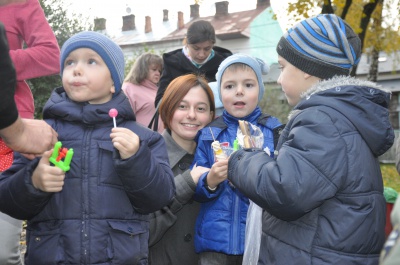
42	55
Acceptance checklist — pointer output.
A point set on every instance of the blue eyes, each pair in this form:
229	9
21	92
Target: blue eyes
73	62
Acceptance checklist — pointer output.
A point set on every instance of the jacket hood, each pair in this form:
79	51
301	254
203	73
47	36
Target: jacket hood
59	106
363	103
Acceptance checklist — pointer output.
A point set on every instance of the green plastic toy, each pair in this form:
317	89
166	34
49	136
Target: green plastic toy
60	153
235	145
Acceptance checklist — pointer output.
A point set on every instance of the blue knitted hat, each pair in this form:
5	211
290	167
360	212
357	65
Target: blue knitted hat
108	50
322	46
258	66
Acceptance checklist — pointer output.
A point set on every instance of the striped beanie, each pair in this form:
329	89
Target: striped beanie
259	67
108	50
322	46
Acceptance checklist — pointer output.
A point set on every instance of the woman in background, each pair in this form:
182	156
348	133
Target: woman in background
140	86
199	56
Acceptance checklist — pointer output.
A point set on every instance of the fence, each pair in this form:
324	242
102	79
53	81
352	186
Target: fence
390	155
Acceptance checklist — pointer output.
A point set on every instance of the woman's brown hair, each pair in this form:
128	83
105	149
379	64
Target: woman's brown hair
177	90
200	31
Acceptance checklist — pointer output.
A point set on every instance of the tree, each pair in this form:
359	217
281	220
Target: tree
365	17
64	25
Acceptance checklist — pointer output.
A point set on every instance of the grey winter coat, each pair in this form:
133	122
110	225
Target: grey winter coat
172	228
322	195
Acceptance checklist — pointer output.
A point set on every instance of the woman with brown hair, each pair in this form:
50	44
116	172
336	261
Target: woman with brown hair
187	106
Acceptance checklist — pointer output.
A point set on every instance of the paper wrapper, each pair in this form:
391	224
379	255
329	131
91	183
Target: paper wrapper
249	136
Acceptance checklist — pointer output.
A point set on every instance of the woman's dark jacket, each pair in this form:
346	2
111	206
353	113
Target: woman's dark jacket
172	227
322	194
101	214
177	64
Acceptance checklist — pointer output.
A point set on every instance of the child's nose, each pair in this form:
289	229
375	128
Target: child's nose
78	69
279	79
240	90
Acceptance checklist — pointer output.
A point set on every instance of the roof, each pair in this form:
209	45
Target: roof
230	26
159	30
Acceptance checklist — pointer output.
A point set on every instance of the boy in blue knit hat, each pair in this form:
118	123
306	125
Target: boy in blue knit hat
322	193
220	226
97	212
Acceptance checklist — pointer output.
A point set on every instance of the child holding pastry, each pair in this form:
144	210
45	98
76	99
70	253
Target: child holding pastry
220	226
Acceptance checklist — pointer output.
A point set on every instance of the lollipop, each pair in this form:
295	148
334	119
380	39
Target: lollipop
113	113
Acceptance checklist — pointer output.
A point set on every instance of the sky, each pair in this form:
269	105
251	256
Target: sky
113	10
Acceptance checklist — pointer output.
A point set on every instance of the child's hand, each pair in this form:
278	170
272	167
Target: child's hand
126	141
197	171
218	173
47	177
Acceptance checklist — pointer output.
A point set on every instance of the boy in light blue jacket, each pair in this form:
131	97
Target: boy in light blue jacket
220	227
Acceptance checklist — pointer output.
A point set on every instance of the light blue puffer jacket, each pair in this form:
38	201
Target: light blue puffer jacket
221	223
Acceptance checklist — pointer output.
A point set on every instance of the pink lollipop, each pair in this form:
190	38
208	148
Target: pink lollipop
113	113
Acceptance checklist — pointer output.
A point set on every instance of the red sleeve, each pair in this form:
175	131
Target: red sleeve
42	55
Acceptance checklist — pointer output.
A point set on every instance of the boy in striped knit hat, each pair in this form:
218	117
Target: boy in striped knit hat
322	193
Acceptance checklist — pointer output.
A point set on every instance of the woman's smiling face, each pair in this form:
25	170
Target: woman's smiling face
192	114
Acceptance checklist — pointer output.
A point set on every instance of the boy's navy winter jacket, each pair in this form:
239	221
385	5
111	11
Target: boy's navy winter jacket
101	214
322	194
220	226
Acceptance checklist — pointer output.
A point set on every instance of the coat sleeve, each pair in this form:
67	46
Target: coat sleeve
162	220
42	55
147	177
308	169
8	109
18	197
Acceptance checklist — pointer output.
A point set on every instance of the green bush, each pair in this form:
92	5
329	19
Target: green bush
390	176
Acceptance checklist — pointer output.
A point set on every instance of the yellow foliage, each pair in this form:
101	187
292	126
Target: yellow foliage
383	28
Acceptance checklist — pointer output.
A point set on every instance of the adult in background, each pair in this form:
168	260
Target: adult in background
140	86
186	107
25	25
199	55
